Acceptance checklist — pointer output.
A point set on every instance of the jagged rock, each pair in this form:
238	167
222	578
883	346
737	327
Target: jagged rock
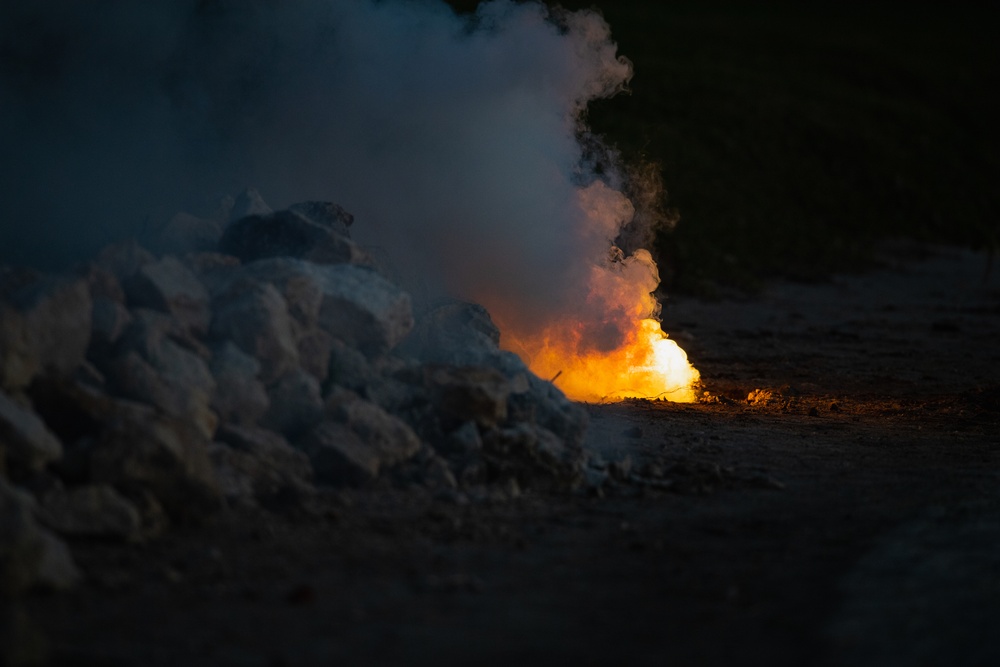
186	233
258	466
44	326
90	511
352	303
452	332
463	334
464	439
296	281
169	286
154	368
339	456
239	397
533	455
140	449
248	202
296	404
255	317
75	410
362	440
363	309
30	555
327	214
462	393
270	449
315	346
545	405
25	440
289	233
347	367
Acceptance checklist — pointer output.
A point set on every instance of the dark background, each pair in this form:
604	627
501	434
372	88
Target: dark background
791	136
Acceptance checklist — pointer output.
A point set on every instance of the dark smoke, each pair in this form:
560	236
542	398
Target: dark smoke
455	140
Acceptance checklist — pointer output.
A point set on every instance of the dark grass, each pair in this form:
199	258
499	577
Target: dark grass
791	137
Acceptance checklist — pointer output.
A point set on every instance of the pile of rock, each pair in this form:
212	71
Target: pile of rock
250	364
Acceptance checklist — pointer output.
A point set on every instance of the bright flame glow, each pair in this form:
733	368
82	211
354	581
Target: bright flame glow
647	365
609	346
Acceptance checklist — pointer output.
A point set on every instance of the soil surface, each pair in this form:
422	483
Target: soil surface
834	500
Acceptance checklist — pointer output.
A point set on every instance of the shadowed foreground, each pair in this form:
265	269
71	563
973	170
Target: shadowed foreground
846	514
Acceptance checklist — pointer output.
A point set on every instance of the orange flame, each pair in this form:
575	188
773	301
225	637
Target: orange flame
611	347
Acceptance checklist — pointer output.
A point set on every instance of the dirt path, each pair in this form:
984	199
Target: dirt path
848	514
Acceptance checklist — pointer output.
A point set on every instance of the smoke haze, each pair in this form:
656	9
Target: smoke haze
455	140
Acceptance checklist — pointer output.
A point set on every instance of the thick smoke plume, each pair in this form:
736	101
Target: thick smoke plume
455	140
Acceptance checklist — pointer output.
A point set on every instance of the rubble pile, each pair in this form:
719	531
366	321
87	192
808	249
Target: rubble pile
255	361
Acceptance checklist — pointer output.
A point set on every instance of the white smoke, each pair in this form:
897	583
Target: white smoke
454	140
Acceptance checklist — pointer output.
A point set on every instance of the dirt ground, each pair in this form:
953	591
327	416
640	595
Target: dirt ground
848	513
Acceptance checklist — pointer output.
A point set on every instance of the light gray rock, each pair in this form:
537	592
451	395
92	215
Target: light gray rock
255	317
155	368
30	555
25	440
339	456
240	397
296	404
169	286
464	440
44	326
358	441
90	511
534	456
363	309
352	303
270	449
347	367
545	405
248	202
260	467
296	281
463	393
326	214
452	332
144	450
315	347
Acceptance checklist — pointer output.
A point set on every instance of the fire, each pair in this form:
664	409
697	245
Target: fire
647	365
610	345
